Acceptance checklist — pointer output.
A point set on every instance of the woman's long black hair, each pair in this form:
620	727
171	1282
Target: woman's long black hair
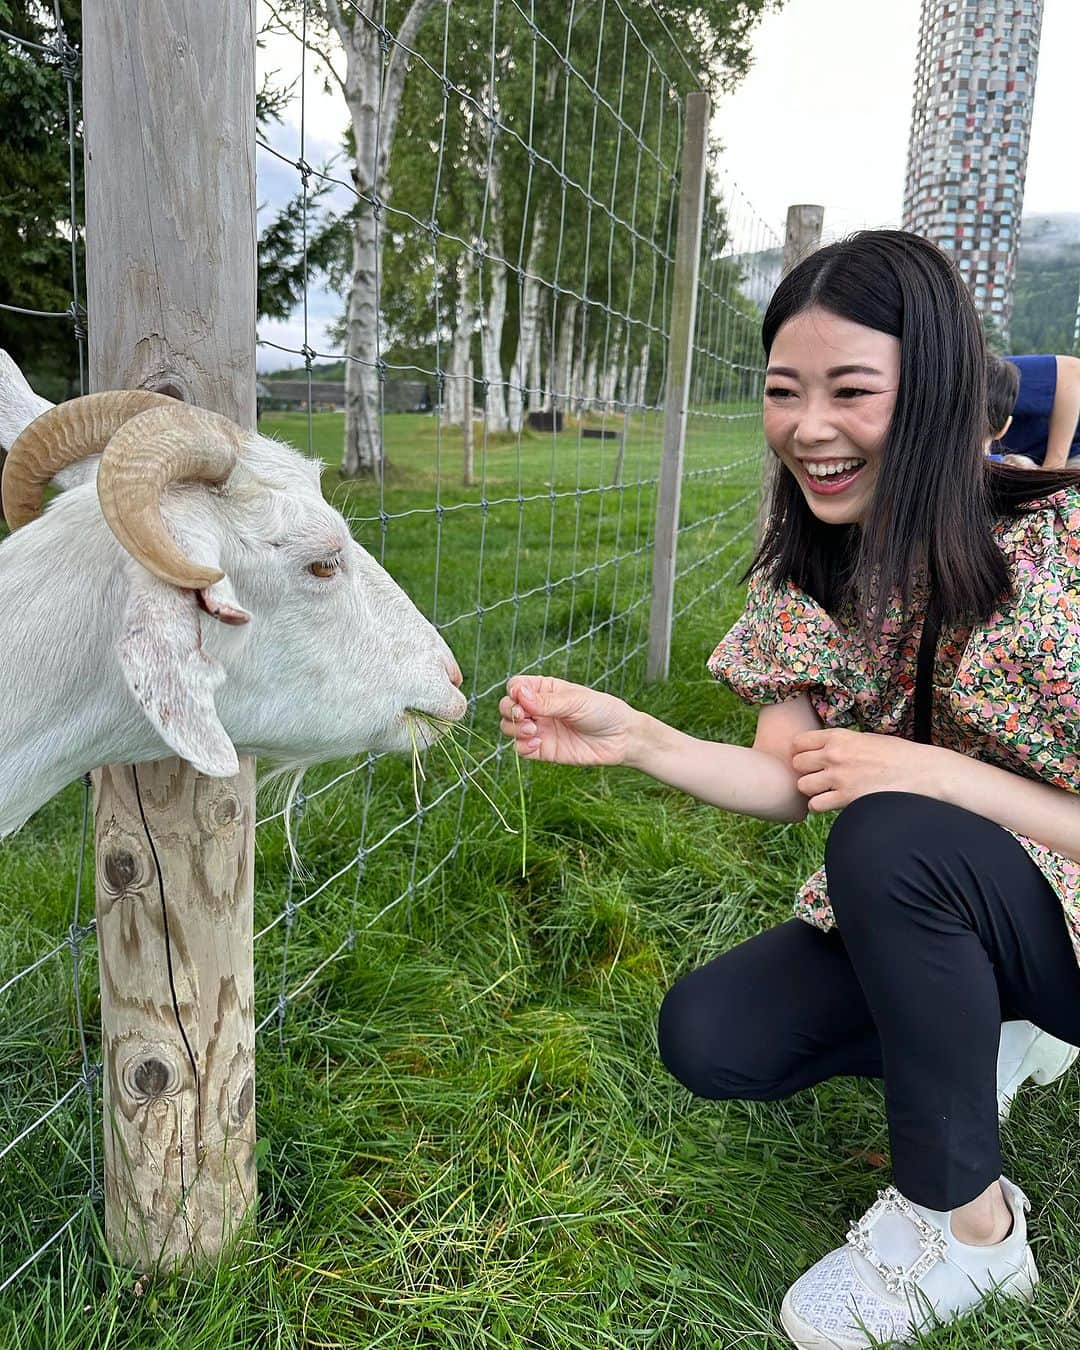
936	496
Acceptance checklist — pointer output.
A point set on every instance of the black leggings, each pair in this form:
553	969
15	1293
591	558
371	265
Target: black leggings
945	928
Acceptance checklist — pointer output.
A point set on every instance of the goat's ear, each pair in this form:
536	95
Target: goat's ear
162	651
172	676
19	405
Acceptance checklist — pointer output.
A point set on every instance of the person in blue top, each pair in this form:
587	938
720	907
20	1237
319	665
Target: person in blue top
1045	428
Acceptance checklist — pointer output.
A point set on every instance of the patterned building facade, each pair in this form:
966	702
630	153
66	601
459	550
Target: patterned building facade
970	127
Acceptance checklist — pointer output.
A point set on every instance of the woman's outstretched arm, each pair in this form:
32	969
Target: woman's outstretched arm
564	723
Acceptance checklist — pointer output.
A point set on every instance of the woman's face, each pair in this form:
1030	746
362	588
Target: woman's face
830	389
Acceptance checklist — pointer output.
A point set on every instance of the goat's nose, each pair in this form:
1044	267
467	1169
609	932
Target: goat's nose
454	671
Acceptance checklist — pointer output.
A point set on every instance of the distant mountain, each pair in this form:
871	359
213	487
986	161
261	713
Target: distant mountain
1048	234
1047	284
760	274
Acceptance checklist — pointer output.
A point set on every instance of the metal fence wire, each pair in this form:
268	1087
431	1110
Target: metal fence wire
523	272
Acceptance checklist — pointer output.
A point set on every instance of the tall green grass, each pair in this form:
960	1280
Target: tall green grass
467	1137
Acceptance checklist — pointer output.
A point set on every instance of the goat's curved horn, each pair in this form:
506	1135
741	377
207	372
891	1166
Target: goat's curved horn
173	444
61	436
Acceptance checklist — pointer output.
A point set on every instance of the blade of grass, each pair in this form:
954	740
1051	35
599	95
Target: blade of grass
416	765
444	743
451	732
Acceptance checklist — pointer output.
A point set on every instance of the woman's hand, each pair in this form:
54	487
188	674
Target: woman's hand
836	767
565	723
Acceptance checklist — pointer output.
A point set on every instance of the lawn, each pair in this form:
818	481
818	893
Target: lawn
467	1139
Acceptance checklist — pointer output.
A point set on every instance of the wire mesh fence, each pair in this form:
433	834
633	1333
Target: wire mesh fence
509	232
64	1070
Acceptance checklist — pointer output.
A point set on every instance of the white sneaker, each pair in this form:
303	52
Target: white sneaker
901	1272
1026	1052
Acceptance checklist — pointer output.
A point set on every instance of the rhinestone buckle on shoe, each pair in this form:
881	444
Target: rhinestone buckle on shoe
933	1245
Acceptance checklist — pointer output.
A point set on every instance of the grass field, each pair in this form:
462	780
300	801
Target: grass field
467	1139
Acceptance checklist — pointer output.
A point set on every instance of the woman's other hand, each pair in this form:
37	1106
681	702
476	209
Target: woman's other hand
563	723
836	766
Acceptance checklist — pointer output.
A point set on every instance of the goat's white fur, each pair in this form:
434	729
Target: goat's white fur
101	662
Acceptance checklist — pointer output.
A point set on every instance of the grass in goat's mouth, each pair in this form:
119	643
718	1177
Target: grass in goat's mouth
467	765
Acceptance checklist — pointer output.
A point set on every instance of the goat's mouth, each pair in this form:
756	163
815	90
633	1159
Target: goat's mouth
426	728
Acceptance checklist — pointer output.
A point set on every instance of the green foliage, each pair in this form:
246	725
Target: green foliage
284	263
35	198
35	203
588	174
1045	298
995	339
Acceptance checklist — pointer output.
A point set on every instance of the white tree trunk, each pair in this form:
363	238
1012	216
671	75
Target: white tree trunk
529	315
550	361
537	394
461	347
577	373
493	279
491	352
467	476
607	387
559	376
362	453
622	392
374	104
588	388
641	377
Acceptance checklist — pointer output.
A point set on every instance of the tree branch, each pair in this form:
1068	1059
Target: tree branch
313	48
344	32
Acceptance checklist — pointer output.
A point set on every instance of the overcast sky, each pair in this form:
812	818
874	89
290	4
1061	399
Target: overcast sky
822	117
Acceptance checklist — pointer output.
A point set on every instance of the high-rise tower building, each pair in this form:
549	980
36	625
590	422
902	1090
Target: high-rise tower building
970	126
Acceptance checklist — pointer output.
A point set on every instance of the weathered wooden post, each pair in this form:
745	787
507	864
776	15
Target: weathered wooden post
802	233
676	394
169	100
801	236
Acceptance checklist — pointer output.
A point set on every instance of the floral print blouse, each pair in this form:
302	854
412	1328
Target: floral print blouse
1006	692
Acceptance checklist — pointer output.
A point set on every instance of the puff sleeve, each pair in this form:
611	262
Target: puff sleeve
783	645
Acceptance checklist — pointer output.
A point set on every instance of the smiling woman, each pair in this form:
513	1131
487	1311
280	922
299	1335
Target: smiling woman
912	638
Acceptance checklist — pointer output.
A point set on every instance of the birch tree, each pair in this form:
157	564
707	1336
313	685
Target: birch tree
372	87
498	136
526	365
493	280
371	84
461	345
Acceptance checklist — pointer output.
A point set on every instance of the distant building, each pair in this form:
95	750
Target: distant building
399	395
295	395
970	127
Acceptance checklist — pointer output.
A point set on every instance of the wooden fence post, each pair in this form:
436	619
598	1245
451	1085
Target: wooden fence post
169	100
679	371
802	235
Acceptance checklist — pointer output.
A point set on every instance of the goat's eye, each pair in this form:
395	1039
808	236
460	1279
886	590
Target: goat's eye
325	567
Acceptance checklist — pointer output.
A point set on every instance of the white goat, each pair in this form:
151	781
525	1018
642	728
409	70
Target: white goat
191	593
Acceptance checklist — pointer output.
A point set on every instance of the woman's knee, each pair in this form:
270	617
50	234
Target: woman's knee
700	1046
873	845
881	824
